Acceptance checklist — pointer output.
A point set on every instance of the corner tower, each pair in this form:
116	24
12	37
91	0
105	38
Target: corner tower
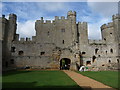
71	16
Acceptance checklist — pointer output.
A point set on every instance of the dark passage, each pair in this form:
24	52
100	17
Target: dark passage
65	64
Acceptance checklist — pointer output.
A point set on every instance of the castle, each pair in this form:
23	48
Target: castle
62	39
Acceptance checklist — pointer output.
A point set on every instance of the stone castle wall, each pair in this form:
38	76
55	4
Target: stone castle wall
58	39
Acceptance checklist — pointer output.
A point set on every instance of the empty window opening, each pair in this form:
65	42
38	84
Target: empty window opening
83	52
93	59
48	33
105	39
88	63
12	49
42	53
12	61
117	60
63	42
21	53
111	50
96	50
103	65
98	55
106	52
110	33
62	30
109	61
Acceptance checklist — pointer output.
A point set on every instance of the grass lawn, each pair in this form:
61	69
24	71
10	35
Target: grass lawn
37	79
109	78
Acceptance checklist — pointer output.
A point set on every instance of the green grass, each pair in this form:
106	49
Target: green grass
109	78
37	79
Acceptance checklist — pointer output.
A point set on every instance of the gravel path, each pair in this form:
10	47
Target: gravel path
87	83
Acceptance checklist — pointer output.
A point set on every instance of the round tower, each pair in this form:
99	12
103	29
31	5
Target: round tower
13	18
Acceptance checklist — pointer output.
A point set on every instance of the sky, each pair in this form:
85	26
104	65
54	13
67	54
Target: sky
95	13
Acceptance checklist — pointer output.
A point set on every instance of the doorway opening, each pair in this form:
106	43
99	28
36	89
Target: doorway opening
65	64
88	63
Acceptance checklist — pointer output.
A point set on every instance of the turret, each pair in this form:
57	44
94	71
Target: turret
83	33
12	18
3	24
116	23
71	15
110	31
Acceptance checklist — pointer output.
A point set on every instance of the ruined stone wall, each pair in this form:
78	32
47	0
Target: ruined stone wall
57	39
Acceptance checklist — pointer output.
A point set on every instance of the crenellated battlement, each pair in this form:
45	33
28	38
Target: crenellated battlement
71	13
82	22
108	25
50	21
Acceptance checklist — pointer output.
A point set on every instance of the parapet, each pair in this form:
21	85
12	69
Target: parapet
108	25
22	39
117	16
82	24
62	17
48	21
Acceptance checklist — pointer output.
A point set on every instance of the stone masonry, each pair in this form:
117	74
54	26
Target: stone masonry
62	38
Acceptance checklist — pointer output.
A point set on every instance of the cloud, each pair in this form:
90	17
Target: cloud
106	9
51	6
94	31
1	9
44	0
26	29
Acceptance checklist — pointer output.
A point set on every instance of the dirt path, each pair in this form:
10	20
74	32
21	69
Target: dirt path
85	82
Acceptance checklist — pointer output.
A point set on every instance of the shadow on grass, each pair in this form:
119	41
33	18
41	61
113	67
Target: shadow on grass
32	86
14	72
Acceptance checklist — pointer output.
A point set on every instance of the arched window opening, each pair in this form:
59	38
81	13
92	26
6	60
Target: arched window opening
96	50
111	50
93	59
109	61
106	52
117	60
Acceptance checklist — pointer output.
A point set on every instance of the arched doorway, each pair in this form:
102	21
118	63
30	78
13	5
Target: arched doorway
65	64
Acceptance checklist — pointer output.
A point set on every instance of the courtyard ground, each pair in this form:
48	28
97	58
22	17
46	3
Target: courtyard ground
110	78
37	79
58	79
86	82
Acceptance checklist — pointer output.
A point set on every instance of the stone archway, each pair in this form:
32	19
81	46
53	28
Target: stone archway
65	64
